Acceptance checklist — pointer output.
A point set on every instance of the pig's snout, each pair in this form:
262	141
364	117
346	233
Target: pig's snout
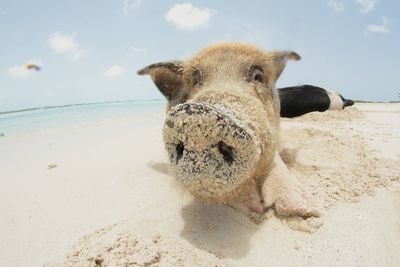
211	152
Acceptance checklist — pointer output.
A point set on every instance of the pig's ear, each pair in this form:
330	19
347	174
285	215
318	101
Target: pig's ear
279	59
167	76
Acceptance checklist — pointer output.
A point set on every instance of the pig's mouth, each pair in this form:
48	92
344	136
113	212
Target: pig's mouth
211	152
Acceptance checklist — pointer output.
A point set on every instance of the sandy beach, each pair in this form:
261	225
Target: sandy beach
96	192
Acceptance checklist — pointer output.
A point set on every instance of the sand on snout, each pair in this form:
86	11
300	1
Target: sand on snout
114	204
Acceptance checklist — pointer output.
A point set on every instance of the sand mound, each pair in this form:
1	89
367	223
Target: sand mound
122	245
336	164
327	151
348	114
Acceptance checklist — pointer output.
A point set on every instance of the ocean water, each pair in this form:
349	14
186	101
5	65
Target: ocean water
43	118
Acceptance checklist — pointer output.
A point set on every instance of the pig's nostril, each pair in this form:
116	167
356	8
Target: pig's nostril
179	151
226	151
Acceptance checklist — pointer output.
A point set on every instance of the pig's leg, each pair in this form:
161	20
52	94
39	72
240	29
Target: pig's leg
282	190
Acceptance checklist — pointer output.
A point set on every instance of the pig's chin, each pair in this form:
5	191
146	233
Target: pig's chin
211	152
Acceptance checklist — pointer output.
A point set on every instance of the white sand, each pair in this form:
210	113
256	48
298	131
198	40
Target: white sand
110	201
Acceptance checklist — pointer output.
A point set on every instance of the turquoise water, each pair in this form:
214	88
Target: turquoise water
22	121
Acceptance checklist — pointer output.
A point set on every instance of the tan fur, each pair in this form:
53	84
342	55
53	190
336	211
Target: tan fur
219	76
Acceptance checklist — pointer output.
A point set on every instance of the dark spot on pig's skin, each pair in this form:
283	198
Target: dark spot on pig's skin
169	123
179	151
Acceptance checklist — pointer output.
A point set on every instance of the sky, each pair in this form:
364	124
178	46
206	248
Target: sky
90	50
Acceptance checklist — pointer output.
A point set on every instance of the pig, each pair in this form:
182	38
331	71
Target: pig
299	100
221	131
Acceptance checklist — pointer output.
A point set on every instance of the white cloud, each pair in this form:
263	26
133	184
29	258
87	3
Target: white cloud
336	5
187	17
114	71
366	5
19	72
22	72
65	44
382	28
131	5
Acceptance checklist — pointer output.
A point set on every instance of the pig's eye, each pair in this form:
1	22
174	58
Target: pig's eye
256	74
196	77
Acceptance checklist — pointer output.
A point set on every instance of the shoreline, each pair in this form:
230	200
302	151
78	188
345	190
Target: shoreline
143	102
83	104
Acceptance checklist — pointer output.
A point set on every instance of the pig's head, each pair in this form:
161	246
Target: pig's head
222	123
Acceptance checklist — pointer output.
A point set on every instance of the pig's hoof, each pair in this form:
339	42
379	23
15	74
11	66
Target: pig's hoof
296	205
290	202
